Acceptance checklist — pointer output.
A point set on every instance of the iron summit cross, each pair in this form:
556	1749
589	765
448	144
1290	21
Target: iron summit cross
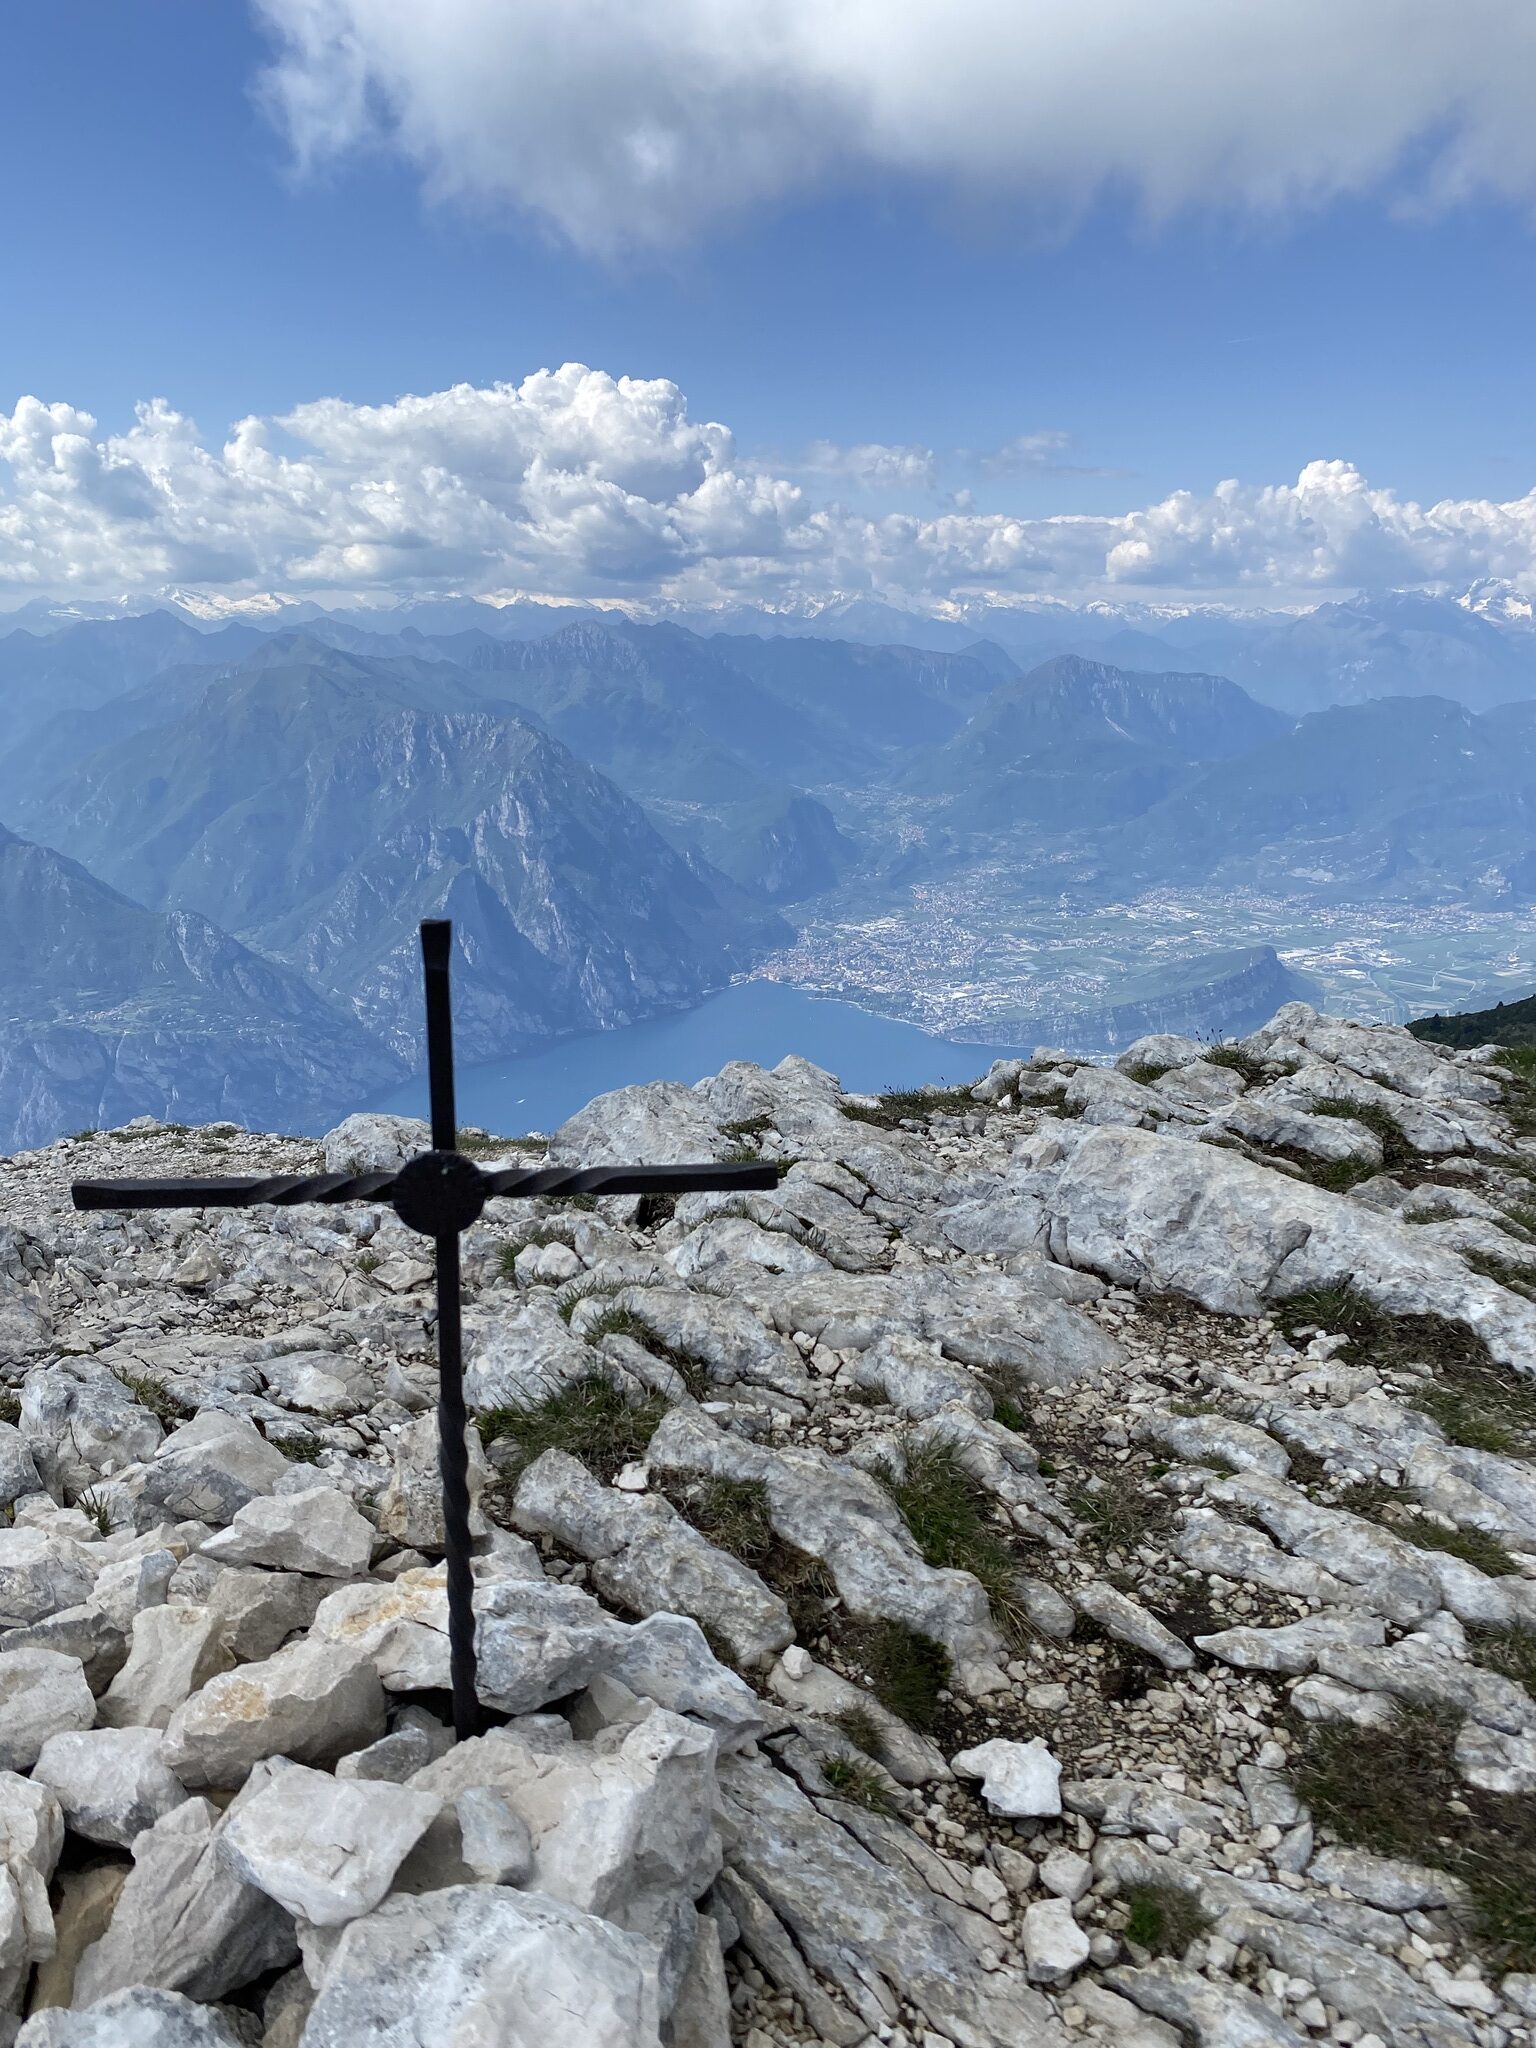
440	1193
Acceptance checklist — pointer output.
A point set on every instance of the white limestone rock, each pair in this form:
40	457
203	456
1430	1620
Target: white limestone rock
1148	1211
1216	2015
137	2018
111	1783
536	1641
808	1893
660	1120
312	1702
210	1467
666	1658
1169	1050
42	1693
486	1963
318	1531
18	1468
1019	1779
372	1142
184	1921
325	1848
518	1356
1129	1622
817	1691
647	1558
411	1507
1294	1647
39	1574
173	1652
1055	1947
494	1839
77	1416
835	1512
1219	1440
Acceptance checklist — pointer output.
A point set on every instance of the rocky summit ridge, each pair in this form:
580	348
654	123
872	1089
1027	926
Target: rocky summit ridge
1062	1567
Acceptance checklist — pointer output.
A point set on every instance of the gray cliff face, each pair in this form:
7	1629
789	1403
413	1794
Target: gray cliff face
320	806
113	1011
1217	996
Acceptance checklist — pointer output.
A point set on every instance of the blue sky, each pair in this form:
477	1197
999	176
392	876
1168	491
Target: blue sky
160	241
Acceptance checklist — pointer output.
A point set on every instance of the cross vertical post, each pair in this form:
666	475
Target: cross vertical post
439	1194
452	1421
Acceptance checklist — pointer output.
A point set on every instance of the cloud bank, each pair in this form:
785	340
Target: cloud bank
617	125
578	483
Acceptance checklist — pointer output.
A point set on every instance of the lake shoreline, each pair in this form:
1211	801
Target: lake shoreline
752	1019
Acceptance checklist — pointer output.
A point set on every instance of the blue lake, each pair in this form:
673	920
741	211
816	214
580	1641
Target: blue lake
754	1020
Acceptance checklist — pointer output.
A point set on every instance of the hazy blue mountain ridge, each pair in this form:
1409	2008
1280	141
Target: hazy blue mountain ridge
319	805
113	1011
1077	743
1417	795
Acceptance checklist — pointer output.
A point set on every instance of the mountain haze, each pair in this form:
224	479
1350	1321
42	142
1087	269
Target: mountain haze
113	1011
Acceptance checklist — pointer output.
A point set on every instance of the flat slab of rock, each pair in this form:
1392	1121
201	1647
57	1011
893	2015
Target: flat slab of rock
210	1467
312	1702
326	1848
646	1557
1214	2015
853	1919
319	1532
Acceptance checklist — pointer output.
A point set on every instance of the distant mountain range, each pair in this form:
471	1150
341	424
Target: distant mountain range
108	1010
618	814
1078	743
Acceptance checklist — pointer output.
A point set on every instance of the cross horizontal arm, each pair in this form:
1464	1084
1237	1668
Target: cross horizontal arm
515	1183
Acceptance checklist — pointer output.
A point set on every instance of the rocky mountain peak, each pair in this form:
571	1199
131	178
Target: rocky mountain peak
1061	1567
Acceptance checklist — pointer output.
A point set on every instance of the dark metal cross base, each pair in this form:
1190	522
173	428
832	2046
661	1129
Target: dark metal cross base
439	1194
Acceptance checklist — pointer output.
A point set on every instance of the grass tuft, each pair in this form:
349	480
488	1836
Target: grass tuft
1163	1919
1473	1398
589	1418
862	1730
1509	1651
907	1672
747	1127
1119	1513
1396	1791
10	1407
902	1105
734	1514
302	1448
152	1393
949	1515
1146	1072
1397	1153
852	1780
1518	1275
1233	1056
1472	1546
98	1508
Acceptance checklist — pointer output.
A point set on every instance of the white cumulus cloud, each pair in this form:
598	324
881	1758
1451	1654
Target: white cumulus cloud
622	125
578	483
